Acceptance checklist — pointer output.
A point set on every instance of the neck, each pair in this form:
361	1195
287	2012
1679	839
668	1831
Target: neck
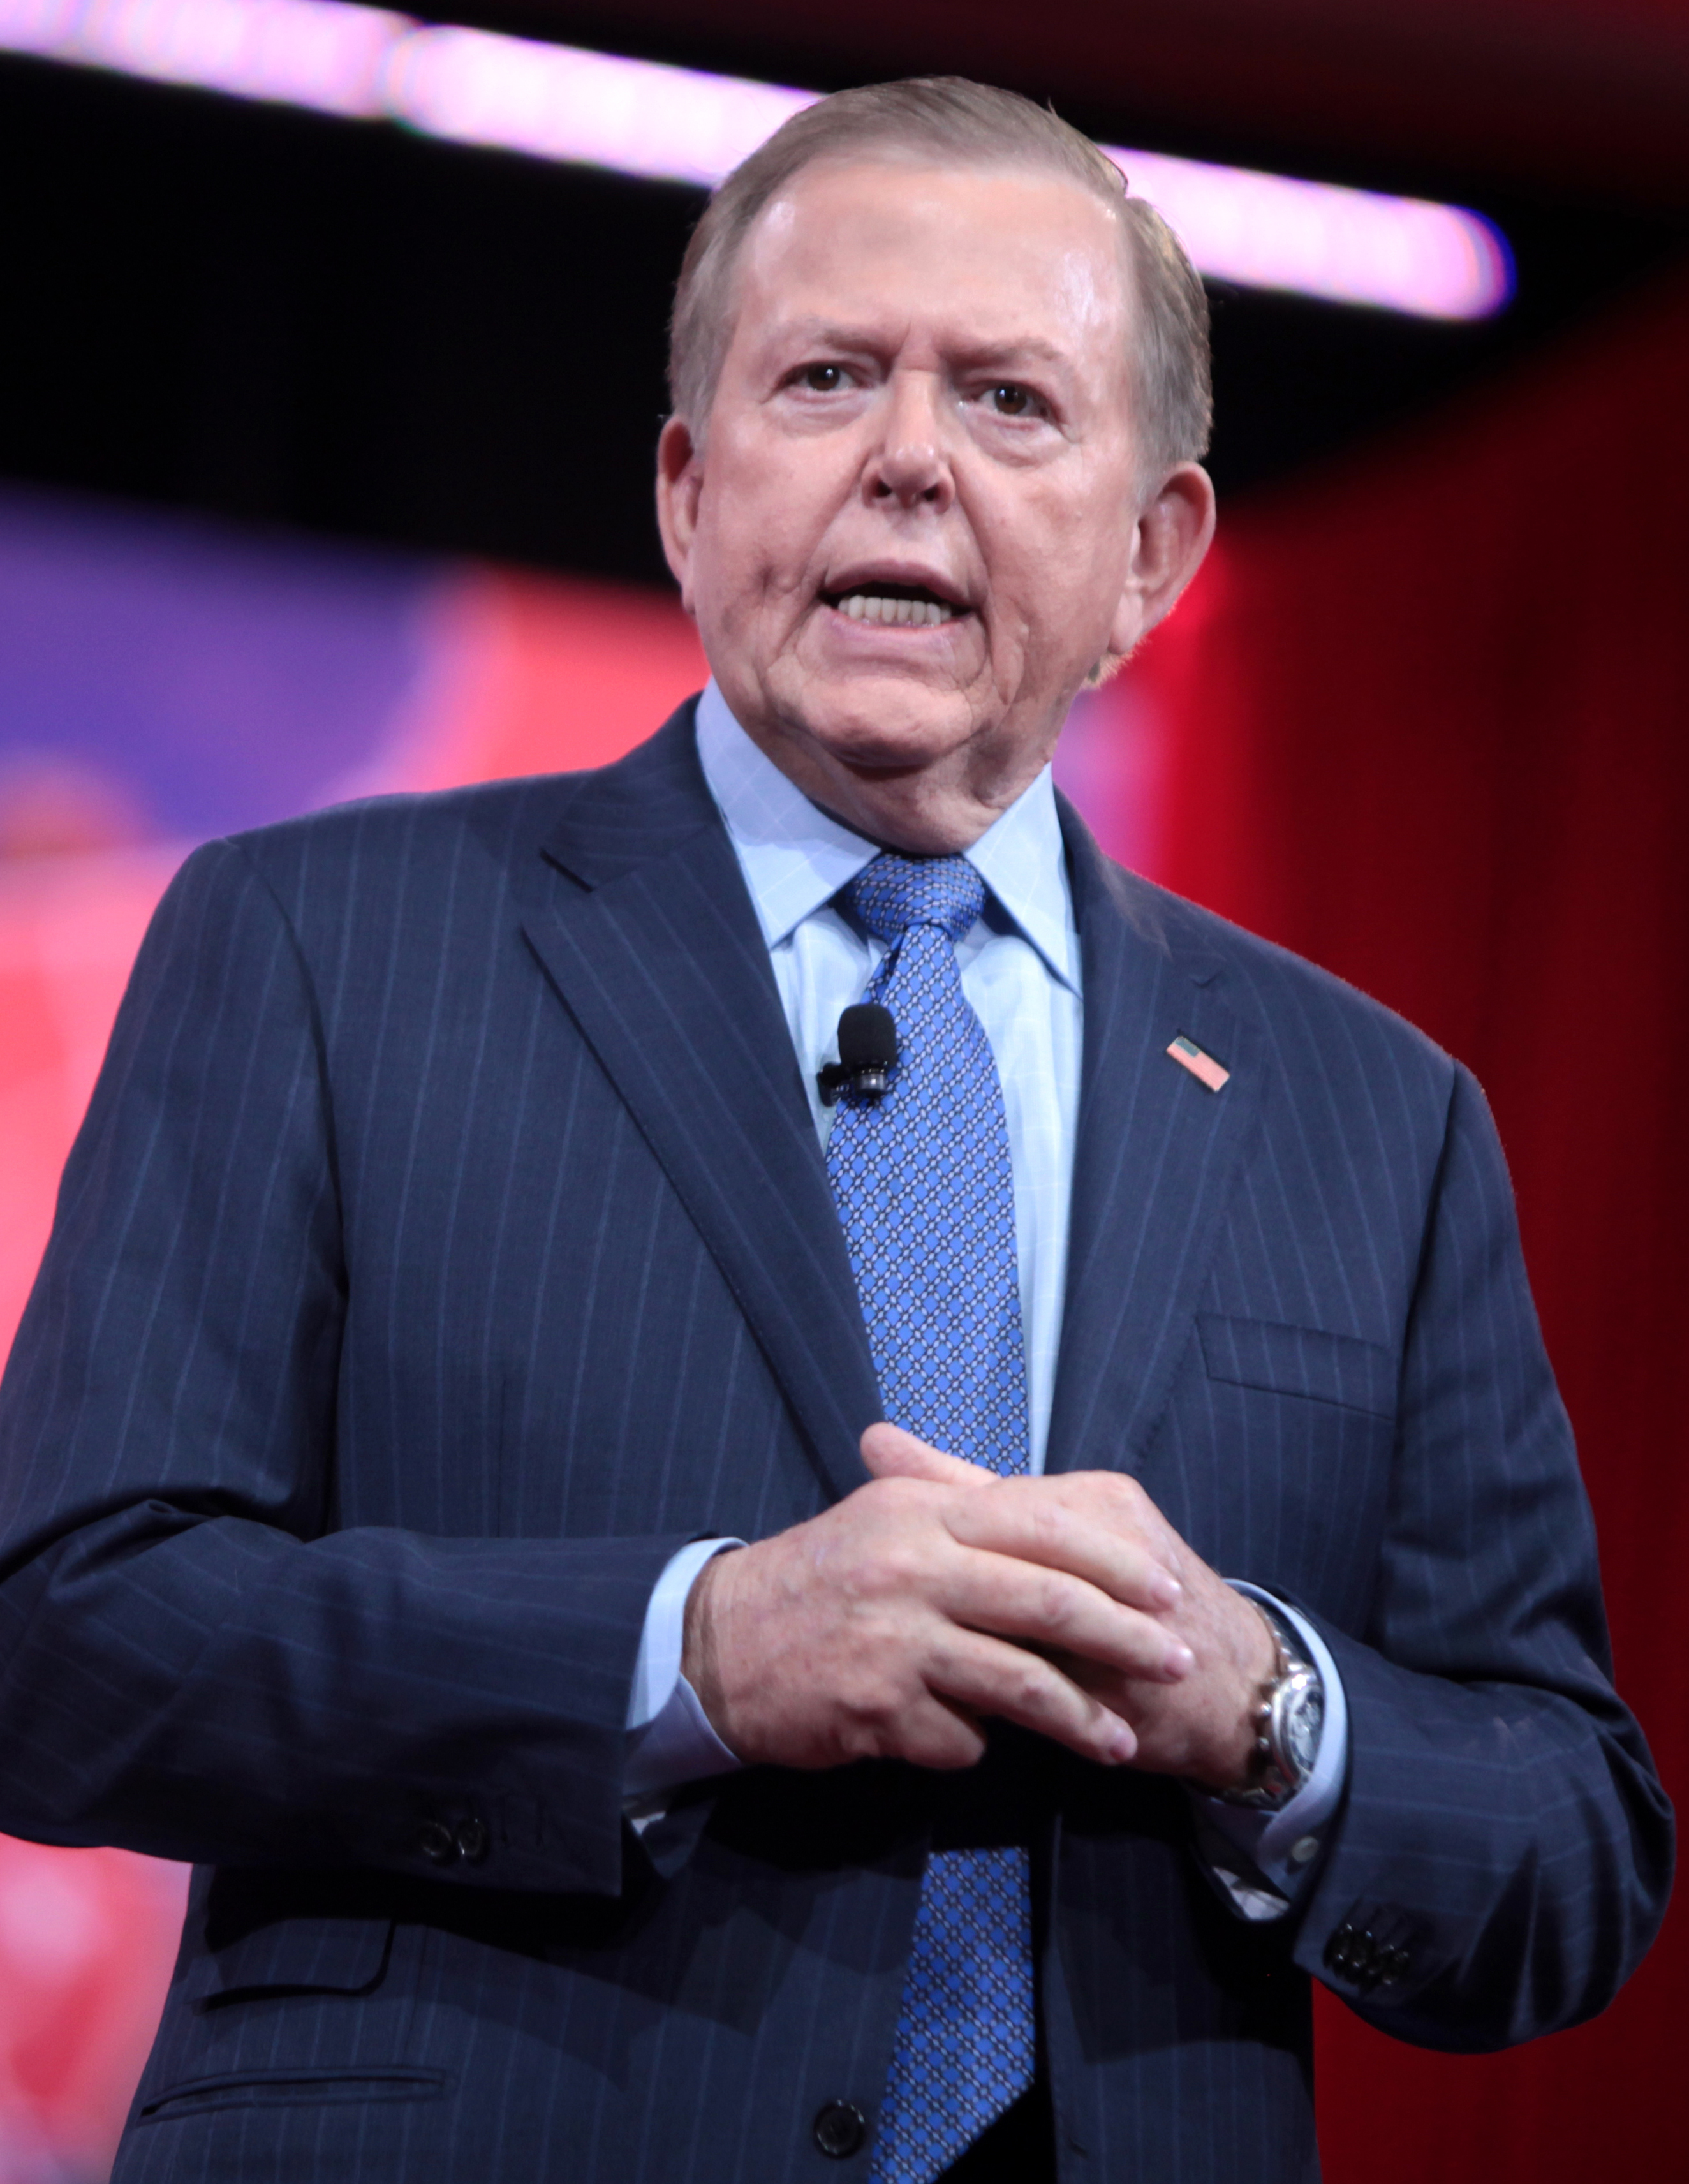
939	808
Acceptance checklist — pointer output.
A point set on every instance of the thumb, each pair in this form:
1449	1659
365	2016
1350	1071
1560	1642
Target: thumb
890	1453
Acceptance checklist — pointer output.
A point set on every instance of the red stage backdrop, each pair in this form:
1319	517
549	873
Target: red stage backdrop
1427	722
1423	721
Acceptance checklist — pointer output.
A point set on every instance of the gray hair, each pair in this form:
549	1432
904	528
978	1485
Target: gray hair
948	119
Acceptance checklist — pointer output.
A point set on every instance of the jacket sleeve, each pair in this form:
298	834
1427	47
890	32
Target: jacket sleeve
195	1660
1504	1857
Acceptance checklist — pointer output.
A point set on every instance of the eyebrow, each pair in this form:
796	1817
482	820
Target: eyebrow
1029	350
827	333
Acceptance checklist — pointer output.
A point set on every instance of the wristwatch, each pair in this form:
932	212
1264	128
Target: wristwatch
1287	1717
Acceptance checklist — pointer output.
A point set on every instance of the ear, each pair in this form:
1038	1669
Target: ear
1174	530
680	481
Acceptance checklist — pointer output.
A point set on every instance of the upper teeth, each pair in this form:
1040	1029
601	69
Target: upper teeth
873	606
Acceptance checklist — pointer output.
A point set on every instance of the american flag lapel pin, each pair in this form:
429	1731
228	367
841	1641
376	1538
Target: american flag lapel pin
1202	1067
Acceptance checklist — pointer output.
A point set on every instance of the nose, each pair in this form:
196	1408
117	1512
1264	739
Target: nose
911	466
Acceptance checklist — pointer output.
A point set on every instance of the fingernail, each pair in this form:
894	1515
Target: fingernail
1180	1661
1165	1588
1122	1744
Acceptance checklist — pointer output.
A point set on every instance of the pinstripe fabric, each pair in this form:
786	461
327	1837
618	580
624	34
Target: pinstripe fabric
423	1278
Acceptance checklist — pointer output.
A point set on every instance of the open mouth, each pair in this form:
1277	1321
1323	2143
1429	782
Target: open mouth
913	605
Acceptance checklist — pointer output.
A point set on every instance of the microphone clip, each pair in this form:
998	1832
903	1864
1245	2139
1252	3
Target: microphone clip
867	1049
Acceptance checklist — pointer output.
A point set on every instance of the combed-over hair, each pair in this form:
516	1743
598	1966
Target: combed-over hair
950	120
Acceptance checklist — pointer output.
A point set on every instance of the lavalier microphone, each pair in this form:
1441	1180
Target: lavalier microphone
867	1047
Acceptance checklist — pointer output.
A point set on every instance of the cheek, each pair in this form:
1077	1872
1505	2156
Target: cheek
756	543
1069	564
730	562
1041	583
776	493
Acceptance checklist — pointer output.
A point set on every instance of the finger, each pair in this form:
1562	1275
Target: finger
1119	1500
987	1677
1034	1522
889	1452
1056	1612
939	1732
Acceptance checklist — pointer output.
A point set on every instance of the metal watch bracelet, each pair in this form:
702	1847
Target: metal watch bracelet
1287	1717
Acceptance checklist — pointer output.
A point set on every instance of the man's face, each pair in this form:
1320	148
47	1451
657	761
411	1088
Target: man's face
911	532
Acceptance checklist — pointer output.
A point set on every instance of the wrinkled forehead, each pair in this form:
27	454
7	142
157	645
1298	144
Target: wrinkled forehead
961	254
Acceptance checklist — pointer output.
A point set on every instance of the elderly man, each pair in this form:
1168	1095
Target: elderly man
668	1572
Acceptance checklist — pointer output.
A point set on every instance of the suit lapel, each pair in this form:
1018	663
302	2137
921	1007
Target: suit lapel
1156	1162
653	944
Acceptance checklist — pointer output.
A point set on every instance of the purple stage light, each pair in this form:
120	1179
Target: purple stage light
560	103
1434	261
317	54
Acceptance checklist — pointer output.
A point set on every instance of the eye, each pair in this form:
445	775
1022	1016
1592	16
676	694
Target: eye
1007	399
821	378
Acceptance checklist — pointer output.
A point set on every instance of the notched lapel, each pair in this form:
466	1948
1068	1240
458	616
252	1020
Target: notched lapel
1157	1157
654	948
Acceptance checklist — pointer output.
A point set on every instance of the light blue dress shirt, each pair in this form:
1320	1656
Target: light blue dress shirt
1020	968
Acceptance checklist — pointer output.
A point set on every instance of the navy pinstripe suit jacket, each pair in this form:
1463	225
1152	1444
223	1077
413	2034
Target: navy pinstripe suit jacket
447	1242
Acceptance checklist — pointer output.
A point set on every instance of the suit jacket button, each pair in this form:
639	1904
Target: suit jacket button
1350	1955
437	1842
840	2128
472	1840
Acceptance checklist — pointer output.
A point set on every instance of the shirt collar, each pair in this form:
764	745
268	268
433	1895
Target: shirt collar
795	858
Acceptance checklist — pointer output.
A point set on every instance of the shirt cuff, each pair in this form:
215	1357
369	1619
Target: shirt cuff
1262	1860
669	1737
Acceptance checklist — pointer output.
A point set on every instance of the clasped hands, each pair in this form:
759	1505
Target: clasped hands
938	1594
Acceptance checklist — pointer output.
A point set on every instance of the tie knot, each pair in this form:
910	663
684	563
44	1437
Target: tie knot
895	893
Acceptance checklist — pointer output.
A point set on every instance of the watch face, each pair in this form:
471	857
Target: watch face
1298	1714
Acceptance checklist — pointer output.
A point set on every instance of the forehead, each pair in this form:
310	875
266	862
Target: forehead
968	255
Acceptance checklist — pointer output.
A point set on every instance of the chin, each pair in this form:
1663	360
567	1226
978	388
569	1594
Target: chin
885	723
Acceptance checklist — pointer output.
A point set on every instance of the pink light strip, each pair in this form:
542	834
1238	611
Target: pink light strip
559	102
319	53
681	125
1435	261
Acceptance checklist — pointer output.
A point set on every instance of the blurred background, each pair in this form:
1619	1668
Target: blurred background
332	371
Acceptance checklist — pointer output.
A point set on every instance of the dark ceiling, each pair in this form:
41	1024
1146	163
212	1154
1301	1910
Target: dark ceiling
1573	95
269	315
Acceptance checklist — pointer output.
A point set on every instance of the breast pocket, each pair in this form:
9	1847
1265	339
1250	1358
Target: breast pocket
1308	1361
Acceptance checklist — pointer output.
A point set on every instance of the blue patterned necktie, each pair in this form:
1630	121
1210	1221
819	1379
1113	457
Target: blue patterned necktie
924	1189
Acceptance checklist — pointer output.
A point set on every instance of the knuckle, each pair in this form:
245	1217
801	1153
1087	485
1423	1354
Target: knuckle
1049	1524
869	1718
1030	1683
1051	1606
901	1567
899	1495
874	1569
